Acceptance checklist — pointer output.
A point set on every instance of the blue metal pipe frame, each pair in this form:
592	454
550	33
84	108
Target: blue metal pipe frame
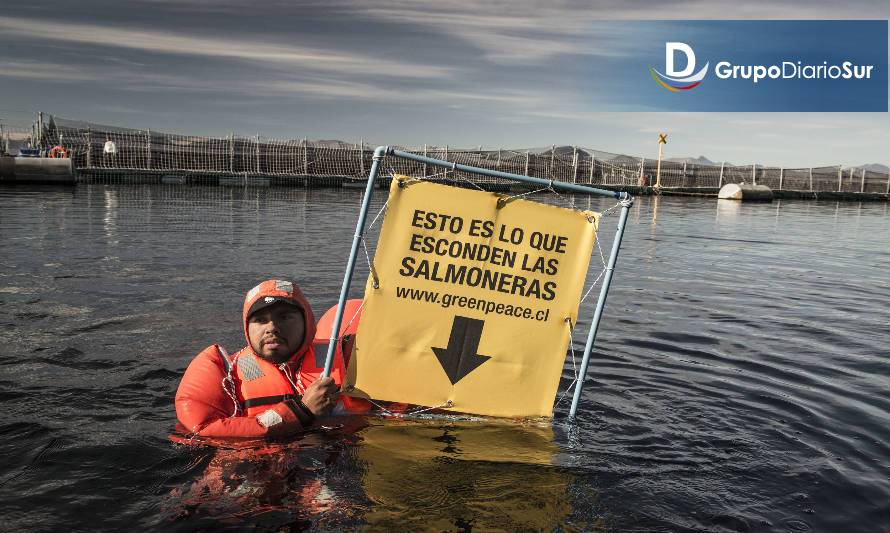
600	305
383	151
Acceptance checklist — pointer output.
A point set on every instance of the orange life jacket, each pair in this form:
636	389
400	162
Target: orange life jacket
224	396
259	383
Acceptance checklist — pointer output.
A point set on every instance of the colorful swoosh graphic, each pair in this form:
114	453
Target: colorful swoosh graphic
672	88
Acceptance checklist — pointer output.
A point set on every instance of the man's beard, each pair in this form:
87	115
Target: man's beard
276	359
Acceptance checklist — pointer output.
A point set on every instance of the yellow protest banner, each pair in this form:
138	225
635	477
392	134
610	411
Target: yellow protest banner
470	299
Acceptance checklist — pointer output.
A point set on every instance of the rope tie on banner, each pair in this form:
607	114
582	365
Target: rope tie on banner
448	403
609	210
602	255
392	171
554	191
384	409
416	179
504	200
563	198
405	183
507	199
571	345
471	182
571	327
592	285
428	176
371	269
417	411
357	311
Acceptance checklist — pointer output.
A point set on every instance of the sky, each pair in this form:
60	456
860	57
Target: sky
456	72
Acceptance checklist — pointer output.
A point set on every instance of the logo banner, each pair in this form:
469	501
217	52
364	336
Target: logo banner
742	65
470	303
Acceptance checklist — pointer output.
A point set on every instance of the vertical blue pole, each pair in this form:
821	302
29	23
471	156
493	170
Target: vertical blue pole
626	202
350	265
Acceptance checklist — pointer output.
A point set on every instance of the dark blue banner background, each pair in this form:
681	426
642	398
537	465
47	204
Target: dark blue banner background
622	80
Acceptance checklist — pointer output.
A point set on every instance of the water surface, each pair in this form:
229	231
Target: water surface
739	381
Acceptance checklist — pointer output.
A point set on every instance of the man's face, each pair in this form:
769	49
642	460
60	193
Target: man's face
276	332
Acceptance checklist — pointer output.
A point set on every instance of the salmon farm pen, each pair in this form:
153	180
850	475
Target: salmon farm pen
149	156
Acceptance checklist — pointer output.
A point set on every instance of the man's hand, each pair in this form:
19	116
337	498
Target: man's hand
321	396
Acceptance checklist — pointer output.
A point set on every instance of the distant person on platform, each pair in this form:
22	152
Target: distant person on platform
109	152
272	386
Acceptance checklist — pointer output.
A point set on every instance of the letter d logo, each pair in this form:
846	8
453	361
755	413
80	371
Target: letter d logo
669	52
678	80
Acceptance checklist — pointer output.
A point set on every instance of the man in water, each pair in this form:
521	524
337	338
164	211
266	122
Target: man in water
272	386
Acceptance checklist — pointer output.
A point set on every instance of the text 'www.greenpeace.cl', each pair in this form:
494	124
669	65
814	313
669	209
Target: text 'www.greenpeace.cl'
486	306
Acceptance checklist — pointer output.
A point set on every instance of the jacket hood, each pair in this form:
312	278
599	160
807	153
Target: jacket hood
273	290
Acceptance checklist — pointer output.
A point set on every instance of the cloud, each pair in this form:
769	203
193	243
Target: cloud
535	32
332	89
504	33
293	56
39	70
751	122
321	88
103	73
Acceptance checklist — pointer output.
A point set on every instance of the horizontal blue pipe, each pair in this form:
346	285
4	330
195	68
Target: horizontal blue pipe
516	177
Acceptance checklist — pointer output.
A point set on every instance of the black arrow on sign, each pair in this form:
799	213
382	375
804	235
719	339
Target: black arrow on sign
460	358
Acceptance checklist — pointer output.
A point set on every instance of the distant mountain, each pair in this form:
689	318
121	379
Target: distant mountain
874	167
334	143
564	152
624	159
560	150
700	160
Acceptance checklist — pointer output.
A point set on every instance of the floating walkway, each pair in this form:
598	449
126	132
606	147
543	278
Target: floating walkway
36	170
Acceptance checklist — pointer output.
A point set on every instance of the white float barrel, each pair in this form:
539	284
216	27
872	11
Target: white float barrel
745	192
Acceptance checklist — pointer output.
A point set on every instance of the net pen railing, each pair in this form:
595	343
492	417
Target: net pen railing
102	151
